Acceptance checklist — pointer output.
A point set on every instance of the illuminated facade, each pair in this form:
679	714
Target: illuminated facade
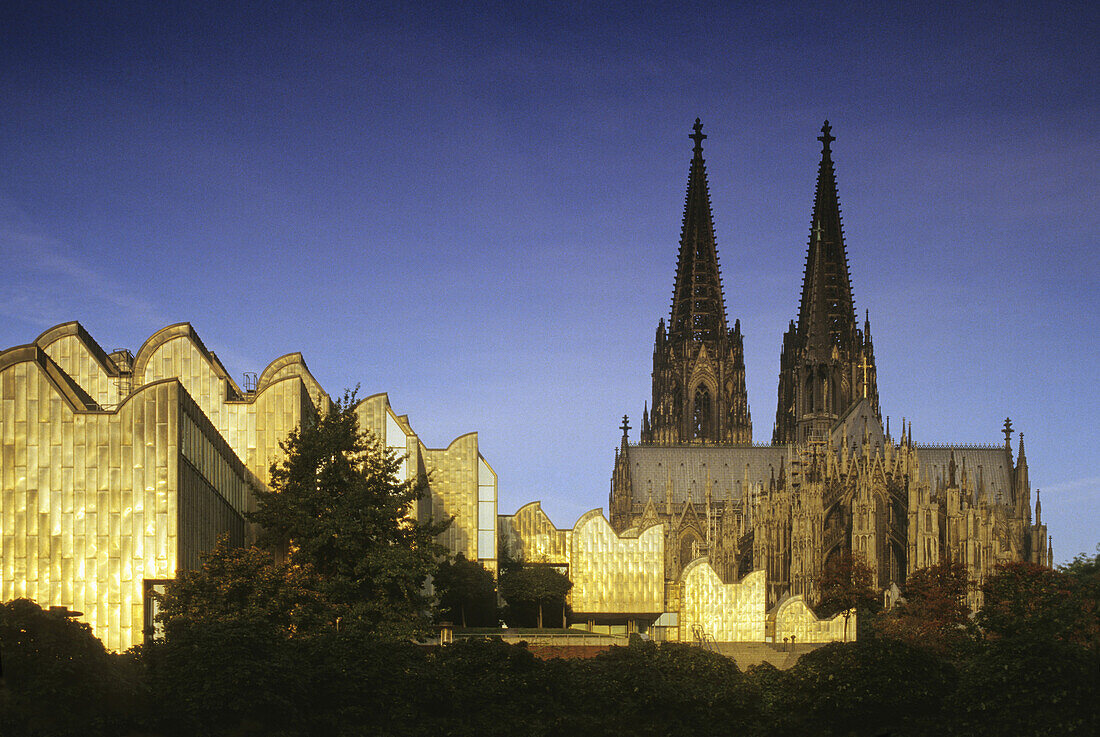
117	470
619	585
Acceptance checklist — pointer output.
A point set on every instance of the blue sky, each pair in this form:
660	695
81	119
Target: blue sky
476	207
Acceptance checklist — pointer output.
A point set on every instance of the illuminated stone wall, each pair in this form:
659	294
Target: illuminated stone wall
614	573
453	485
724	612
376	416
793	618
81	358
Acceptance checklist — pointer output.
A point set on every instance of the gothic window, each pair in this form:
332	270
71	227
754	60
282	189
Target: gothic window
689	546
701	413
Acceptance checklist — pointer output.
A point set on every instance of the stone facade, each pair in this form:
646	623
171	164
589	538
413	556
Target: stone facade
834	478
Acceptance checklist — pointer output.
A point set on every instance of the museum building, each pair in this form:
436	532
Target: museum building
117	470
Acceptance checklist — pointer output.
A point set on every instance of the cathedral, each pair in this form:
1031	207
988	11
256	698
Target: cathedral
834	479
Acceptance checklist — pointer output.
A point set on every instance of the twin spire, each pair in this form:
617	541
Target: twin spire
827	362
698	307
826	314
698	364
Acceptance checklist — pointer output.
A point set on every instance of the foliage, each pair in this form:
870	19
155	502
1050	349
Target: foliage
230	679
223	676
869	687
245	585
467	593
845	586
486	687
1032	686
935	613
338	506
60	680
1024	600
650	689
532	589
507	561
1083	565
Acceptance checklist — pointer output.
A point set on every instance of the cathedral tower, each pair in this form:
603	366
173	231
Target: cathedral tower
827	363
698	363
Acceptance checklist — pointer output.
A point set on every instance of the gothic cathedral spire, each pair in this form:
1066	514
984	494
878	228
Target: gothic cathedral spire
698	307
827	363
698	364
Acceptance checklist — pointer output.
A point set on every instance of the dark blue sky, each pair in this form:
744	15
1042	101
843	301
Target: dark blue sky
476	207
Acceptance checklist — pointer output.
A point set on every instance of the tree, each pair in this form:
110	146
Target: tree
1083	565
648	689
870	687
467	593
59	678
530	589
845	586
246	585
1024	600
935	613
1029	685
337	505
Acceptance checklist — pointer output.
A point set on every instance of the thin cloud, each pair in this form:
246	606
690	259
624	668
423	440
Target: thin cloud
55	283
1077	488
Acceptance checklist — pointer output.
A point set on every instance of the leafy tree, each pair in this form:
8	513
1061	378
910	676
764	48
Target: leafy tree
245	585
338	506
467	593
59	678
486	687
222	676
871	687
935	613
650	689
531	589
507	561
1029	686
1024	600
1083	565
845	586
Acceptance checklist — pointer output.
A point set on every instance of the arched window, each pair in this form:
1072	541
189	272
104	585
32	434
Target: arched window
688	546
701	413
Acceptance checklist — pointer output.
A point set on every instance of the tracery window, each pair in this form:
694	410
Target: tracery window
701	413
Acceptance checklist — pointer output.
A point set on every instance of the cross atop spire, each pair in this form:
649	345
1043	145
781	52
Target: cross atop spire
625	427
826	136
698	136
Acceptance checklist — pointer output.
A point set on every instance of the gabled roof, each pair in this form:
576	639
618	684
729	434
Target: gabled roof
859	418
730	468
